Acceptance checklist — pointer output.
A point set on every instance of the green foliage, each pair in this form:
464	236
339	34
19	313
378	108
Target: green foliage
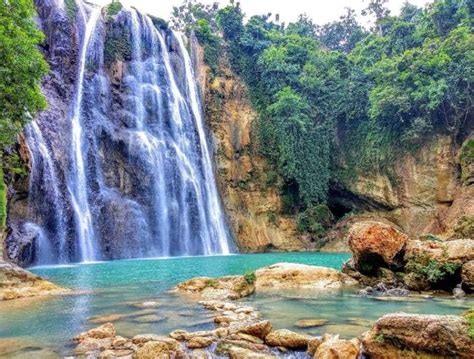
336	100
22	67
430	237
380	338
469	315
466	159
71	9
250	277
3	201
432	270
315	219
118	45
113	8
464	228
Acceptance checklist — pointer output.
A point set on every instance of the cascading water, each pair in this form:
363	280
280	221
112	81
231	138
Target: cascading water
138	178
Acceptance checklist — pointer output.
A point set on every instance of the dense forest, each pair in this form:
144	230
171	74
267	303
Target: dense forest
340	99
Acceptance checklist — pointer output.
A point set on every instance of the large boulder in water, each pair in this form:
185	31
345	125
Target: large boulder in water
460	250
294	275
333	347
375	244
408	336
15	282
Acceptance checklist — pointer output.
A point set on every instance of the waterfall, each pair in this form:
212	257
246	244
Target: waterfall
138	177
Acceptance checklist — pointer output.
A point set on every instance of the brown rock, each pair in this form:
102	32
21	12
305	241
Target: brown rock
250	338
313	345
335	348
108	318
241	353
15	282
157	349
293	275
287	339
259	329
104	331
145	338
375	243
179	334
403	335
467	275
224	346
230	287
199	342
461	250
311	323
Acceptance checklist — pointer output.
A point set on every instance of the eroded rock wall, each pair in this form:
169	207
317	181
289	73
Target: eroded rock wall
252	203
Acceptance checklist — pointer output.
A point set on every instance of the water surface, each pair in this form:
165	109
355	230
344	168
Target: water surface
121	287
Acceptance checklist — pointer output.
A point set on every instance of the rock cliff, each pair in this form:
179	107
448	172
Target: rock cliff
246	181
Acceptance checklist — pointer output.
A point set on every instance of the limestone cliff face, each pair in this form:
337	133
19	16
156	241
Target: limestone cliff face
253	206
422	193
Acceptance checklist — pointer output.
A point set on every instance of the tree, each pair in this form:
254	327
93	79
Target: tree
22	67
377	9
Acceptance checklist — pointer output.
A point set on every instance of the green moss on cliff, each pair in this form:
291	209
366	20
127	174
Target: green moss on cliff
466	158
113	8
3	201
71	9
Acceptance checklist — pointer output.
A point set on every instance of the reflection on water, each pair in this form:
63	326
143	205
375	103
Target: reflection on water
134	294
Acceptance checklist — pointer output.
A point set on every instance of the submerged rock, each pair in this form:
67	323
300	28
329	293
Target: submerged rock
200	342
242	353
164	348
104	331
403	335
230	287
293	275
311	323
15	282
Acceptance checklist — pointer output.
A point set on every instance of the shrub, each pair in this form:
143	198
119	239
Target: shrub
71	9
113	8
250	277
432	270
315	219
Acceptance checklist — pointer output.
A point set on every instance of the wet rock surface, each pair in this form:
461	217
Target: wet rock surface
403	335
15	282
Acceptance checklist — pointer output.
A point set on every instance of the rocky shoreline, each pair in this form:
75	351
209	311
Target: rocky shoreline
242	332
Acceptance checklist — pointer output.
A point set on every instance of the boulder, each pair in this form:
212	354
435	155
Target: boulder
293	275
108	318
242	353
105	331
467	275
199	342
287	339
15	282
375	244
403	335
313	345
334	348
458	250
91	345
225	346
230	287
258	329
157	349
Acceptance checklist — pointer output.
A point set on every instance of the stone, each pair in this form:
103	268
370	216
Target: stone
179	334
199	354
113	354
147	305
467	276
287	339
293	275
157	349
242	353
310	323
334	348
15	282
258	329
250	338
224	346
104	331
459	250
150	318
412	336
230	287
145	338
313	345
108	318
92	344
199	342
375	244
458	293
